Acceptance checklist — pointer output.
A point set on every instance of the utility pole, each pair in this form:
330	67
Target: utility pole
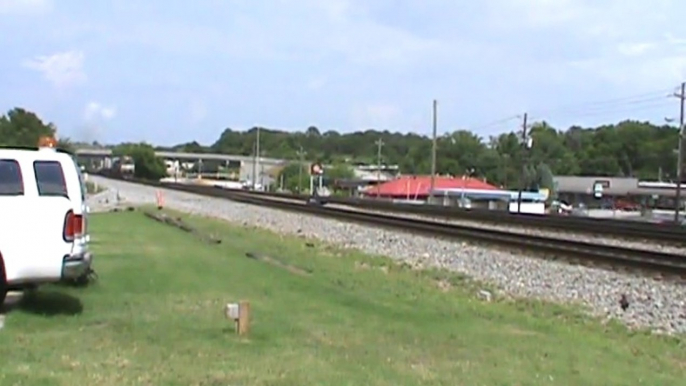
301	155
433	150
679	172
257	154
256	157
525	153
379	144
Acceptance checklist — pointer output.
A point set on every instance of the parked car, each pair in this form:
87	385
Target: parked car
44	218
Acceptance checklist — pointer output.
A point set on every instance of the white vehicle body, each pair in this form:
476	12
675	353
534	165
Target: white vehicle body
43	221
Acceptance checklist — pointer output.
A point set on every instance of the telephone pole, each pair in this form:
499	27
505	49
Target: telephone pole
256	160
525	157
433	151
679	172
379	144
301	155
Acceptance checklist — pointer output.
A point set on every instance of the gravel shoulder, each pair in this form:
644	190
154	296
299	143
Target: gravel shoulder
658	305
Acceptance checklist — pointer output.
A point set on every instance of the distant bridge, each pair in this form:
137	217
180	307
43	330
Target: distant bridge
105	153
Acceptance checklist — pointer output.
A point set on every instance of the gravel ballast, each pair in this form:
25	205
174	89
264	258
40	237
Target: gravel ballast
659	305
560	234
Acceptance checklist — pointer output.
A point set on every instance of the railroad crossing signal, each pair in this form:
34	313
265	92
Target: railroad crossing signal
316	169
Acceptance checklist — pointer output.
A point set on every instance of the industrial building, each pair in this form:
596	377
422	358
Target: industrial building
577	190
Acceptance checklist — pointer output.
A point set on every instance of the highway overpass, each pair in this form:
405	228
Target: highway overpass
263	168
171	155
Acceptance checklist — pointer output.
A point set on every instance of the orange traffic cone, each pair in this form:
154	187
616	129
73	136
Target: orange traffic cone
160	200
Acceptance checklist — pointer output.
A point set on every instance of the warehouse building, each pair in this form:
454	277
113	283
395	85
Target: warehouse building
618	192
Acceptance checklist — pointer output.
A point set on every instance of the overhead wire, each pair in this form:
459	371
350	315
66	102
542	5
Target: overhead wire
636	98
600	108
495	123
596	111
637	102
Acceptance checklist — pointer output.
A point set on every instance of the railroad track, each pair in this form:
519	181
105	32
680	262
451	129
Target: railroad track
627	229
662	262
671	234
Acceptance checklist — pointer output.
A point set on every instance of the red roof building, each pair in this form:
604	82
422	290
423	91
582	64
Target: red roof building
417	187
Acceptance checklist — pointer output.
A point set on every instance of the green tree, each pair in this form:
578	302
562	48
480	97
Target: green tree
295	177
20	127
148	166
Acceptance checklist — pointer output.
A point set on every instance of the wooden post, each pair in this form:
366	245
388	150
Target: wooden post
160	200
243	323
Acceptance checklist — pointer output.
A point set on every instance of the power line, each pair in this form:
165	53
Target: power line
637	102
604	108
631	99
496	123
618	109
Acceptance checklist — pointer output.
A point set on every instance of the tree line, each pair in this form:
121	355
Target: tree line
626	149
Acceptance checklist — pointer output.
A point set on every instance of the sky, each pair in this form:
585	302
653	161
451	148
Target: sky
174	71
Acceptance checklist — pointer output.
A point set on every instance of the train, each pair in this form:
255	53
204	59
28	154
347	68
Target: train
123	167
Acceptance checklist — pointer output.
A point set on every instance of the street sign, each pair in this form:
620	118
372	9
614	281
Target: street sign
598	190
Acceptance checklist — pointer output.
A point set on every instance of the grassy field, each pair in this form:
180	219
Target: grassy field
321	316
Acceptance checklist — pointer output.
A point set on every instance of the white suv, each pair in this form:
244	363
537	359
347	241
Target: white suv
43	219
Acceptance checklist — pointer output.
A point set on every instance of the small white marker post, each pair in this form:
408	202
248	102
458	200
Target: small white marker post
239	313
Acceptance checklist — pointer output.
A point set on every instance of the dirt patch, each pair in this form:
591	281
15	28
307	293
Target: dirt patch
443	285
277	263
182	225
362	266
511	330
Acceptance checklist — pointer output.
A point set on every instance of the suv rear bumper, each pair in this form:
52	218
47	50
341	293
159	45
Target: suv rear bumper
77	265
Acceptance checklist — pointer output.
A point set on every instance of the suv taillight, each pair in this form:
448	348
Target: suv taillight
73	226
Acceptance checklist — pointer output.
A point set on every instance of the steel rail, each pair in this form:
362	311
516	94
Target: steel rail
663	233
638	258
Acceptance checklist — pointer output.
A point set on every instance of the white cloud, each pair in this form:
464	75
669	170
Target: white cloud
539	13
381	116
654	64
23	7
94	116
317	83
609	18
301	30
622	42
198	111
635	49
95	111
61	69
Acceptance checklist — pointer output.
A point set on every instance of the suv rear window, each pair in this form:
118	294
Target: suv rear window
50	178
11	183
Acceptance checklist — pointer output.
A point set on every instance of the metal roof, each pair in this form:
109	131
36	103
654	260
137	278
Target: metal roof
415	186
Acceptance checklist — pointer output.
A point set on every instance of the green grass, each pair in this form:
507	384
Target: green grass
321	316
